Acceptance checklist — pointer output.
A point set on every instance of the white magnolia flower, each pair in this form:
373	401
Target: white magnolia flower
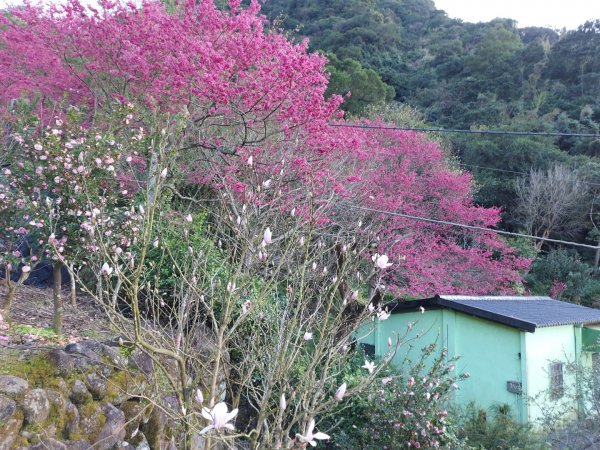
341	391
189	218
219	417
267	237
381	261
163	174
267	184
307	336
370	366
250	161
310	437
282	403
106	270
383	315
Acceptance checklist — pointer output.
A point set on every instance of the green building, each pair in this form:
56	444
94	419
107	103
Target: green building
514	348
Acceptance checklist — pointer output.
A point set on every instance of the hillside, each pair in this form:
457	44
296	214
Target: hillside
475	76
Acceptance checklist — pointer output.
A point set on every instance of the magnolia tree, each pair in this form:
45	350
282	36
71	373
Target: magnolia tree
59	177
263	309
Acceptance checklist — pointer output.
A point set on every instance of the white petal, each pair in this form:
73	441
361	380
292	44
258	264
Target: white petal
321	436
313	443
231	415
229	426
206	414
311	427
267	237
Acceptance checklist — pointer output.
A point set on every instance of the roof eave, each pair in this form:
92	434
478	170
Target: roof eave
494	317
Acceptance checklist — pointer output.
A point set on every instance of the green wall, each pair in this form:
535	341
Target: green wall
490	353
543	347
426	329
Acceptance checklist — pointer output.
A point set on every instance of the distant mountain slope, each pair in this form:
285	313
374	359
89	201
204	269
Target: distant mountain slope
459	73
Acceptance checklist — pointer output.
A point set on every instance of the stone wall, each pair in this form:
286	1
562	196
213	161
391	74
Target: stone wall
87	395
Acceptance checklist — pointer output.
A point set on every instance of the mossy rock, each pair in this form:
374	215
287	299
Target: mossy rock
9	432
91	421
122	385
36	369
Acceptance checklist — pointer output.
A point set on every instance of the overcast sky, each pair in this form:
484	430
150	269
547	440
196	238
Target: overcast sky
553	13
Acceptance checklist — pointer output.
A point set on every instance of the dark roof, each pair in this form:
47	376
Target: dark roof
524	313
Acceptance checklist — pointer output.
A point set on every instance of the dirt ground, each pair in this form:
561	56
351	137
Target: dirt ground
31	320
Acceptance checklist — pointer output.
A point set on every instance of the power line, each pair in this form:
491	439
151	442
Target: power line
453	130
494	169
471	227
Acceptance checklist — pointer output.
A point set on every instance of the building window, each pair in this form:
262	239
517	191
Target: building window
557	382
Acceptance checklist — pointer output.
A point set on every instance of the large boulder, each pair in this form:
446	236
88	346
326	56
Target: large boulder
96	385
113	431
12	385
141	361
8	407
79	393
72	420
62	362
36	406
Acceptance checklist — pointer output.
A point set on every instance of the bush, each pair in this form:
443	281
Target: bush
495	429
407	410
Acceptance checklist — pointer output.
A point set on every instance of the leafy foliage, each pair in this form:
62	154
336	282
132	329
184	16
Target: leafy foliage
496	429
408	410
580	283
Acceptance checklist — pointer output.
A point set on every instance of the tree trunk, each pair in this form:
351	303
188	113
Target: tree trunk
11	290
540	243
597	259
115	295
8	298
58	304
73	284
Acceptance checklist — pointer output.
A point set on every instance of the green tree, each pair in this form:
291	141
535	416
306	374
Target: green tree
365	86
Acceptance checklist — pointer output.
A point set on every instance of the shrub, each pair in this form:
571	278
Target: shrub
495	429
401	410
